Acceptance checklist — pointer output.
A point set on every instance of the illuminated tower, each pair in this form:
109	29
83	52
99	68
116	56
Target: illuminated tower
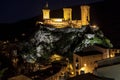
46	12
67	12
85	15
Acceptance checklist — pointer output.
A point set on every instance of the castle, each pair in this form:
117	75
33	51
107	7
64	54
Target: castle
88	60
67	17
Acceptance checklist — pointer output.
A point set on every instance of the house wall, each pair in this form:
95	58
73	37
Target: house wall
88	63
85	63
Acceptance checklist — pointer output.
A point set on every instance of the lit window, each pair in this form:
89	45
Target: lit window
111	55
82	69
85	65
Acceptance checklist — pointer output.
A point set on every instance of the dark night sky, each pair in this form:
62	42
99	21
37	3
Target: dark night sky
104	13
107	16
15	10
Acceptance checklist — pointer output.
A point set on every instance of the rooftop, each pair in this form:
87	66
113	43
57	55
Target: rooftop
88	53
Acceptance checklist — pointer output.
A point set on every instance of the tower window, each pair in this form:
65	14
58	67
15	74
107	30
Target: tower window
77	60
77	66
77	73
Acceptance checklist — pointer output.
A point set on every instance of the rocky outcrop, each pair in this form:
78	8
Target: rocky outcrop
64	41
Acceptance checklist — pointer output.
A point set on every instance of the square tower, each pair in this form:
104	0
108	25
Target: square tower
67	12
46	12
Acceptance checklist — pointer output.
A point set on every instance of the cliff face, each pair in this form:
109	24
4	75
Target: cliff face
64	41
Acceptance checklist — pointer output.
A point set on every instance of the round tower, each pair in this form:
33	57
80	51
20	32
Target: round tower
85	15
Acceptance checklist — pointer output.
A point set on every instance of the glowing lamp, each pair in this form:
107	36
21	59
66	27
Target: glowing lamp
94	26
82	69
58	20
85	65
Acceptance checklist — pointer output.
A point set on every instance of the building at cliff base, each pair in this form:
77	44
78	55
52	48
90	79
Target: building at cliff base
94	58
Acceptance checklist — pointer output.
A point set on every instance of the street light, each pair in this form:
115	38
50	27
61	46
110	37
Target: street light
68	64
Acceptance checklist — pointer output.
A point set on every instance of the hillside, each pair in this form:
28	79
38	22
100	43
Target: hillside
10	31
103	14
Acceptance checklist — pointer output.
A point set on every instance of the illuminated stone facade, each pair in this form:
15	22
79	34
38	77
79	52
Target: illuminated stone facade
67	18
87	62
67	13
85	15
46	12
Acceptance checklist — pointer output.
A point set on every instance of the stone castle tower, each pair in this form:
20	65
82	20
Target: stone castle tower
85	15
67	15
67	12
46	12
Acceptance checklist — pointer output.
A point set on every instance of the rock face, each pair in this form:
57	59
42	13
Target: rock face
64	41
